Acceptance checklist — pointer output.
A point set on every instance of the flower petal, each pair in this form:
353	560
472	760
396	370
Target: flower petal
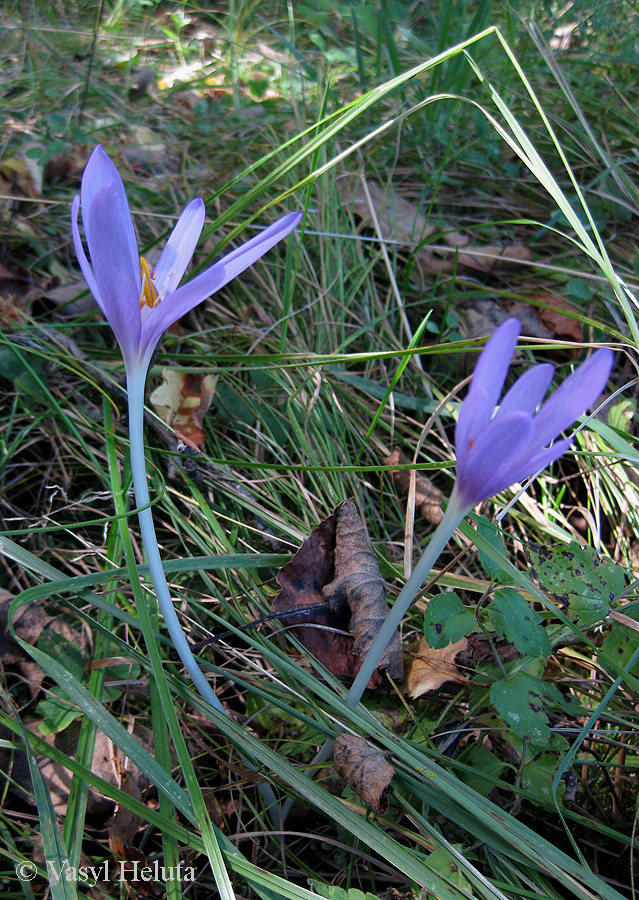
528	391
238	260
116	272
537	461
98	173
179	249
502	446
87	271
185	298
575	395
494	361
474	417
488	378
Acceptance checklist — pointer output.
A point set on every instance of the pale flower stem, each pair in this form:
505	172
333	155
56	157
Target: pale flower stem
135	388
135	391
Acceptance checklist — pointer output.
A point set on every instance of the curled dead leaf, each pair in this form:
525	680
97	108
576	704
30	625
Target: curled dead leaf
335	579
358	583
366	769
431	668
428	498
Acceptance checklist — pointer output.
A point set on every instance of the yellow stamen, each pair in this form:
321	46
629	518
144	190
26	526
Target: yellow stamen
148	295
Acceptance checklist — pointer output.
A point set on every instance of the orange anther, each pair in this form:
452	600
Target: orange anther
148	295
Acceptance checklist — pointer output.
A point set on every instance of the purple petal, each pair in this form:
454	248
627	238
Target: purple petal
474	417
238	260
179	248
494	361
185	298
535	462
115	268
495	452
575	395
79	252
174	306
98	173
528	391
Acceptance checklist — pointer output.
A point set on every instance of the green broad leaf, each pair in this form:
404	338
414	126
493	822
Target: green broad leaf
56	711
447	620
520	701
578	577
442	862
537	777
621	643
491	533
486	766
510	615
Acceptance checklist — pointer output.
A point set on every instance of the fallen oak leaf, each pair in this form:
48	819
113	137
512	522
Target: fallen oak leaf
431	668
366	769
301	581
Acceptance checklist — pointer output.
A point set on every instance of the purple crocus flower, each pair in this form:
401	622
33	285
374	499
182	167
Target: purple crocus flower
497	450
140	303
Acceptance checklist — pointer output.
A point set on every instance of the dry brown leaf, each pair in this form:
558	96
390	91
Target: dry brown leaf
23	173
431	668
366	769
358	583
334	575
398	219
428	498
182	401
301	581
58	777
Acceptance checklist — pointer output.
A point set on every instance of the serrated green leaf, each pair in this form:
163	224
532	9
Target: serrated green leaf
520	703
447	620
511	616
333	892
578	576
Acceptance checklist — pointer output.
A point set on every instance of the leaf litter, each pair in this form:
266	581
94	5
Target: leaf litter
335	572
366	769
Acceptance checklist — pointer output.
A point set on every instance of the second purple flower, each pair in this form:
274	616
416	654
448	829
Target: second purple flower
495	450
